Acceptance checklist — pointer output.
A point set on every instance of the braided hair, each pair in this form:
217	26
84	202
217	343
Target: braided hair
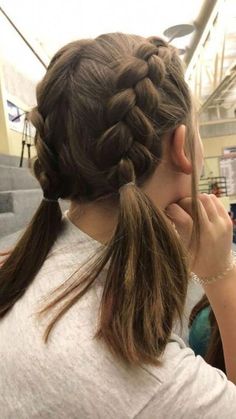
103	108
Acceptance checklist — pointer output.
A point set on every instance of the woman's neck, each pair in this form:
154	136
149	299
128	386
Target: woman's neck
97	219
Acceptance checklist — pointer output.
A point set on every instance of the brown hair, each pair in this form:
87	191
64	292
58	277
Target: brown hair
214	354
103	108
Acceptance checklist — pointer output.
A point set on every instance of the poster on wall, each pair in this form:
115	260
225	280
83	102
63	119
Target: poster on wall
16	116
228	169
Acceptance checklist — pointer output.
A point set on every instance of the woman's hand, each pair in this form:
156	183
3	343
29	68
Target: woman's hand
213	254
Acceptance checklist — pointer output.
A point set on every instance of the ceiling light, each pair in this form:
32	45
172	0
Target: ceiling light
177	31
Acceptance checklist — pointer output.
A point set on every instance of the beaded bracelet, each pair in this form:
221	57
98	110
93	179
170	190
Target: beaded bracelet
209	280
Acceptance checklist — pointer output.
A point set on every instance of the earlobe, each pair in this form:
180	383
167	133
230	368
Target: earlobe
178	151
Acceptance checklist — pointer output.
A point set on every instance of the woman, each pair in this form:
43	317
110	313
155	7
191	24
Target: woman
105	283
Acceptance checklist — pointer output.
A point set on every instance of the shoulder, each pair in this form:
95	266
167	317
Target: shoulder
190	388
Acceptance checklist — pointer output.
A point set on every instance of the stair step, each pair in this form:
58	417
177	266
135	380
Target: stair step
6	202
23	205
7	224
13	161
13	178
18	215
20	195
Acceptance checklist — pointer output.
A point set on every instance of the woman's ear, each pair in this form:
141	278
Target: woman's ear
178	151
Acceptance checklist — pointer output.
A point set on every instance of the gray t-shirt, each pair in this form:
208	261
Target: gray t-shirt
74	376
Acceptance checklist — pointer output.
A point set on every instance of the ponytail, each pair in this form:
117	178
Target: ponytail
146	282
23	263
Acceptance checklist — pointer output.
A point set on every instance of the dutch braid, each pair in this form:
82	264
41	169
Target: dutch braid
130	113
45	165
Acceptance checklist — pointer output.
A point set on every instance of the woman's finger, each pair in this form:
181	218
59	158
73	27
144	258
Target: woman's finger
207	209
209	206
182	220
186	204
220	207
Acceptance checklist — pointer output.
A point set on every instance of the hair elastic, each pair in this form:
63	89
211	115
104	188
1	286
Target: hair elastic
126	184
49	199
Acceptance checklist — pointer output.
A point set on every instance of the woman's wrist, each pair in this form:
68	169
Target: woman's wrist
205	281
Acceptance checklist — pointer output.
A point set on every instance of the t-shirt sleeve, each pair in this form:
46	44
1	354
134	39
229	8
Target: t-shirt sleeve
196	390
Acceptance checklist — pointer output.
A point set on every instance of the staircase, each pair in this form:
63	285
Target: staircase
20	195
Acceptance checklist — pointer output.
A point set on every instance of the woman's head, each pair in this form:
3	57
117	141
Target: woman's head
104	107
108	111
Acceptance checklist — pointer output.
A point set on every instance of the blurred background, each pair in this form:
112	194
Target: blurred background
204	31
